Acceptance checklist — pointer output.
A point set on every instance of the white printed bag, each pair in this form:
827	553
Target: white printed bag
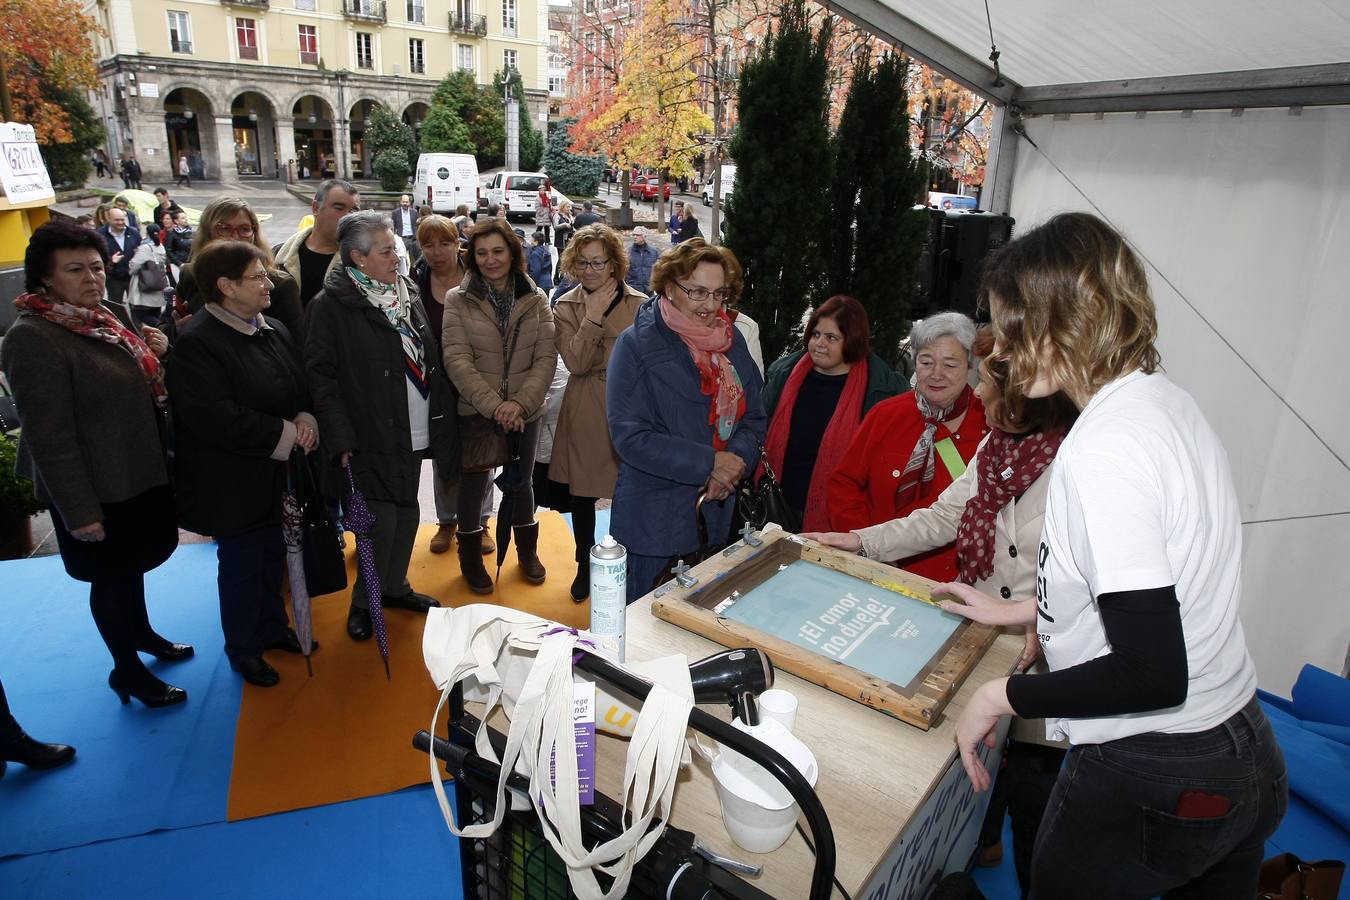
524	664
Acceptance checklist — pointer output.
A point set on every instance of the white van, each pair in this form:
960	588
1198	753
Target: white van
728	185
445	180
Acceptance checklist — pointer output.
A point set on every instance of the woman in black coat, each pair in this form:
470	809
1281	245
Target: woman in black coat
240	407
382	399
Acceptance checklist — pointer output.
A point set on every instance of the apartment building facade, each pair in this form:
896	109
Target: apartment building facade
253	87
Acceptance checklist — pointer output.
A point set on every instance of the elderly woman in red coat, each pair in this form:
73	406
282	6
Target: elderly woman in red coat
911	447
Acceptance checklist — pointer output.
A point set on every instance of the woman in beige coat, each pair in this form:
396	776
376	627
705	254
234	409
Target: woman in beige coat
499	352
590	318
994	513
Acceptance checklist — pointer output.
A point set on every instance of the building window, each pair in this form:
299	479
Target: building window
557	85
246	30
180	32
365	50
305	4
509	59
417	15
309	44
554	44
590	6
465	57
509	18
416	61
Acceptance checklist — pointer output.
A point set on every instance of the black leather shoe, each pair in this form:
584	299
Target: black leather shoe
413	601
167	651
257	671
35	754
290	643
153	693
358	624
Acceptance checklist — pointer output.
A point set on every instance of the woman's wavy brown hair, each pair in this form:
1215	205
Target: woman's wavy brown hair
679	262
1071	285
590	234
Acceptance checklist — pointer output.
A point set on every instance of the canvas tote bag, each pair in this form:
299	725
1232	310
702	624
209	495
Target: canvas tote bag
523	663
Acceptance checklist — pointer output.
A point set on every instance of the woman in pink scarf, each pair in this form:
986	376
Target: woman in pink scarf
684	411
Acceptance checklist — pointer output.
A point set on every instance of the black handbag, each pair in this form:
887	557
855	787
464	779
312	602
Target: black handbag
320	543
693	558
764	503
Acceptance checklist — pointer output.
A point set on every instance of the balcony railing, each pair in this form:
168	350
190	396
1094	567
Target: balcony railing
468	24
251	4
307	58
364	10
182	46
248	52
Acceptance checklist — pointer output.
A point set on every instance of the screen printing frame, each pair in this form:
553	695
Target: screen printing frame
919	703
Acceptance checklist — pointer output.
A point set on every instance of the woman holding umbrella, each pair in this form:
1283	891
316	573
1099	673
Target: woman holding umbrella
382	400
240	405
500	353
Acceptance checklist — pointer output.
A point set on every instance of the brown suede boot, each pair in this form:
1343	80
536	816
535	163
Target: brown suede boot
471	562
527	551
444	536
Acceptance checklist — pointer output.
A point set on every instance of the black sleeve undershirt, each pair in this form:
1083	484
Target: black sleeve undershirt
1146	669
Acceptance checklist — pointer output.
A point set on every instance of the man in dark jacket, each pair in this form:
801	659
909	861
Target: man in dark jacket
540	262
122	243
357	369
641	257
178	246
587	216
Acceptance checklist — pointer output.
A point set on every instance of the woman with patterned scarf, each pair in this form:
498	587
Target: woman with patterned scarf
382	400
683	400
911	447
91	398
993	513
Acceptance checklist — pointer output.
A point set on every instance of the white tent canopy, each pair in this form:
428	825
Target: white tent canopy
1216	137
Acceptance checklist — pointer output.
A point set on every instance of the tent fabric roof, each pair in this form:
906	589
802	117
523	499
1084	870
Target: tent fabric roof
1048	42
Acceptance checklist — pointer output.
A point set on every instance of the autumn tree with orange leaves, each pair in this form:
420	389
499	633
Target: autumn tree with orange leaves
49	63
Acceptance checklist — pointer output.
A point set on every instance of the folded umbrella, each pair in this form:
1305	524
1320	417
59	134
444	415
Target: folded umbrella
359	519
510	482
292	530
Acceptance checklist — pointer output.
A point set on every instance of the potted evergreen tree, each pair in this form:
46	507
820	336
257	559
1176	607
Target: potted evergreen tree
17	504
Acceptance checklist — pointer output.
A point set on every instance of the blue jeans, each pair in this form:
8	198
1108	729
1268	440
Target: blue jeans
1110	828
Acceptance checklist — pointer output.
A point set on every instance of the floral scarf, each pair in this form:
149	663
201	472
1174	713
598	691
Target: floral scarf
101	325
708	345
393	301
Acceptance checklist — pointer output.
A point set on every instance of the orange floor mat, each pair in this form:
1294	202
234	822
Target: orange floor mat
347	732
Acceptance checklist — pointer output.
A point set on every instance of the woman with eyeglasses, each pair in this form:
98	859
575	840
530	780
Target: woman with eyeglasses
500	354
240	406
816	399
589	318
685	412
231	219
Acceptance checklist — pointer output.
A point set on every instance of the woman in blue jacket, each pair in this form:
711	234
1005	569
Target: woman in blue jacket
684	409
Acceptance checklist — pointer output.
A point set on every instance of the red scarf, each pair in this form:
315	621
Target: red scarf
717	377
843	425
917	479
1006	467
99	324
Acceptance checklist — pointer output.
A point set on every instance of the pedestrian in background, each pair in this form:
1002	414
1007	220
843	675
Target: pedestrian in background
676	217
540	263
184	172
641	257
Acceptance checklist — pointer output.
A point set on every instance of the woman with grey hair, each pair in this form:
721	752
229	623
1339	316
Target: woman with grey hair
911	447
381	397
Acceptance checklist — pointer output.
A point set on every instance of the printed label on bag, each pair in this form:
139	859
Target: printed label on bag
583	724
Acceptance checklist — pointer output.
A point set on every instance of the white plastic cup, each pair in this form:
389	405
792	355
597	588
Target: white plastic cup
780	706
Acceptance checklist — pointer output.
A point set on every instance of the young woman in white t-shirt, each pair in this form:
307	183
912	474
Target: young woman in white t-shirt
1174	780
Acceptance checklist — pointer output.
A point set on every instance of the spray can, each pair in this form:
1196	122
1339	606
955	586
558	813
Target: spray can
609	589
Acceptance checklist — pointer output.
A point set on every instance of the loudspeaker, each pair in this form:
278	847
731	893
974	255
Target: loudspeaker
951	260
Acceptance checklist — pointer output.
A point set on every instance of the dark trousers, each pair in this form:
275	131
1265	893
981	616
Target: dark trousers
473	485
392	538
183	180
252	612
1023	786
10	732
583	525
117	290
1111	828
642	571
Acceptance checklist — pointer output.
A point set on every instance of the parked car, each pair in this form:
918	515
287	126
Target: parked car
518	192
445	180
646	188
940	200
728	184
